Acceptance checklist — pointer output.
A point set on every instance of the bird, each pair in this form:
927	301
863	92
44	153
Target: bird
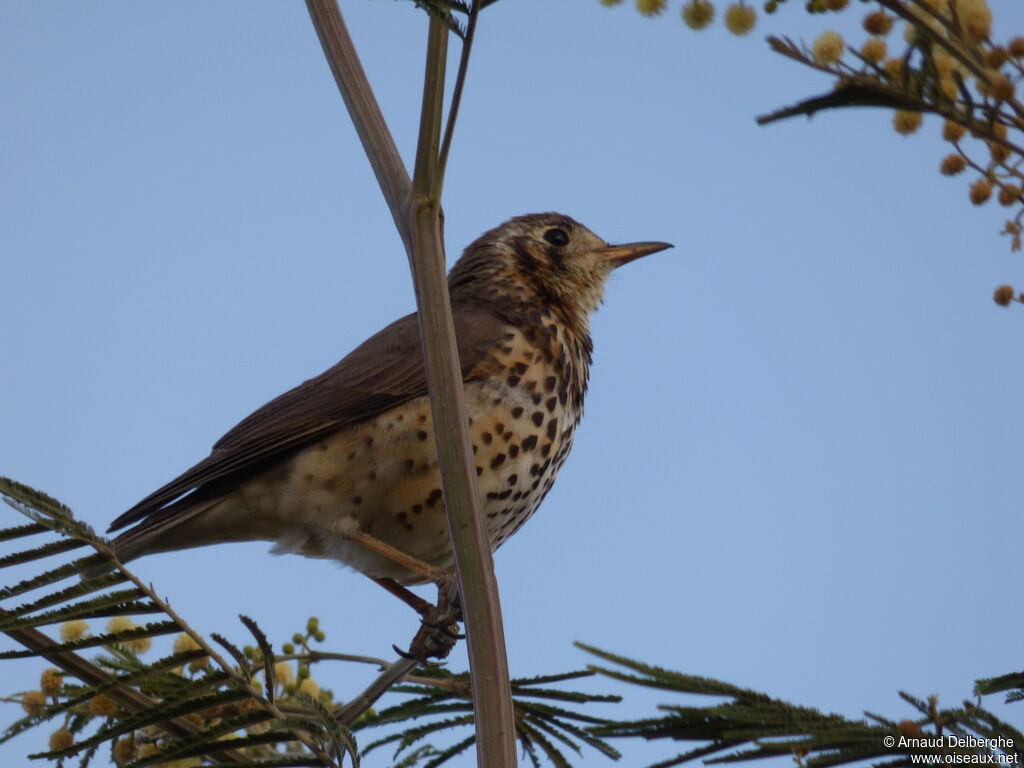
344	466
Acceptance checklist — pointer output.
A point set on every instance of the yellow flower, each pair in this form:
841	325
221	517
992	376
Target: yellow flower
828	48
953	132
697	14
874	49
740	19
185	642
1000	86
73	630
51	681
33	702
981	191
102	706
124	750
120	624
309	687
975	18
952	165
906	122
651	7
894	68
1004	295
1016	47
61	739
284	673
1009	195
878	23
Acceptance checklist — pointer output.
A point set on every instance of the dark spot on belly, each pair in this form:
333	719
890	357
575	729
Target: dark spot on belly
417	508
537	418
563	397
498	460
520	368
499	428
409	464
407	527
512	380
530	443
368	442
552	429
479	471
549	383
545	450
400	417
372	476
513	479
551	403
487	437
422	418
537	397
433	497
513	450
401	517
503	495
530	386
507	436
517	412
421	435
357	500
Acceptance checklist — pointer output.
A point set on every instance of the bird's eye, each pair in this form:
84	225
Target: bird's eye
557	237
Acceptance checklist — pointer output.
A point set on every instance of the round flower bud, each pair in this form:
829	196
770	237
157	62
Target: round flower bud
953	131
1016	47
651	7
73	630
998	152
874	49
33	702
828	48
288	648
61	739
1004	295
952	165
906	122
894	68
51	681
836	5
740	19
981	191
878	23
697	14
949	88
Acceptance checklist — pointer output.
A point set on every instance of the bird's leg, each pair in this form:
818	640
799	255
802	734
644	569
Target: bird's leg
395	555
414	601
440	623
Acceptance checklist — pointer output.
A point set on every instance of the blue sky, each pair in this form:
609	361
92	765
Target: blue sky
799	466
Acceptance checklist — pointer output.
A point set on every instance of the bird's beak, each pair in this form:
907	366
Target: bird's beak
617	255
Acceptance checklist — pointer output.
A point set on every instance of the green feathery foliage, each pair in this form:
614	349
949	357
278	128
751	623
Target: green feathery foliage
751	725
444	700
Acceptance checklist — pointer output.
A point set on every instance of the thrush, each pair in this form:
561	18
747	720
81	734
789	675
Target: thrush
345	467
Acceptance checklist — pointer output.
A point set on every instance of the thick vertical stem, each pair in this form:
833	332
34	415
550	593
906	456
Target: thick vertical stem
478	589
417	212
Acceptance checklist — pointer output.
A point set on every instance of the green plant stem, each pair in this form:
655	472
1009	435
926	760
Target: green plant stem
492	695
417	213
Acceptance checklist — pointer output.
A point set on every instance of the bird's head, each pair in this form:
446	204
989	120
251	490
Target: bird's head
543	259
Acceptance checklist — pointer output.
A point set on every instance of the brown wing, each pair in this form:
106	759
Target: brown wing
387	369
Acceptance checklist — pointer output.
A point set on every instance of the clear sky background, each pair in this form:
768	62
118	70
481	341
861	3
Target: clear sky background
799	469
